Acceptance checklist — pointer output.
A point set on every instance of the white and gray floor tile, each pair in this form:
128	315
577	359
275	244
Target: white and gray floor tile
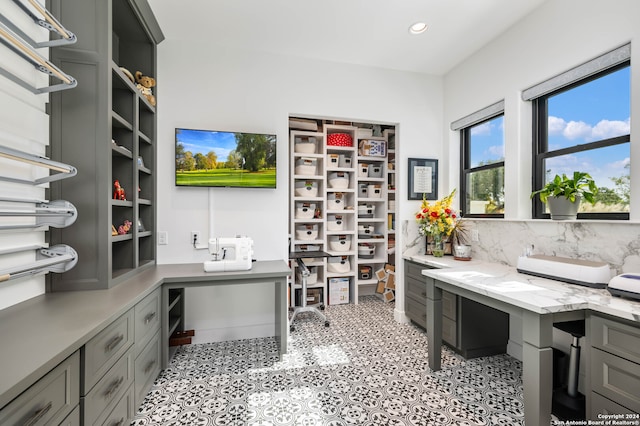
365	369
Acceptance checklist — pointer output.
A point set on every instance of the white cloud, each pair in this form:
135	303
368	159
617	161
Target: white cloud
571	130
608	129
577	130
496	151
481	129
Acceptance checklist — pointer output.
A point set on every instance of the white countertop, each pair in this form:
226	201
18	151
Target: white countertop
532	293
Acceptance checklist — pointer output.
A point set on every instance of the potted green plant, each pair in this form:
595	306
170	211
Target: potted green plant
563	194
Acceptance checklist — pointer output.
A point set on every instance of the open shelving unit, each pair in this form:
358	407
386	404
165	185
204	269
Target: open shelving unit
339	203
108	128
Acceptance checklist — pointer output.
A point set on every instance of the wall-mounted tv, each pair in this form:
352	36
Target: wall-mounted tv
225	159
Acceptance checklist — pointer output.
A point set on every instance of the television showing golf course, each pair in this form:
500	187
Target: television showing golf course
231	159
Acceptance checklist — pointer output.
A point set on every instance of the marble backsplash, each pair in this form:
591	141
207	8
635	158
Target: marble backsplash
502	241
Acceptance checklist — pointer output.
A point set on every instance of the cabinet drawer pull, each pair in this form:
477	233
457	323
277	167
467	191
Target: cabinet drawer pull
113	343
38	415
113	388
149	317
149	366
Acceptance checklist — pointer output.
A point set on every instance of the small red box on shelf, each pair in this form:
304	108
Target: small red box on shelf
339	139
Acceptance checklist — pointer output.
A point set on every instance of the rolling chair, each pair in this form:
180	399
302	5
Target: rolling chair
304	274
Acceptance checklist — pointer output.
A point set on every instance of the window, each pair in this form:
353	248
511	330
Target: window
585	126
482	168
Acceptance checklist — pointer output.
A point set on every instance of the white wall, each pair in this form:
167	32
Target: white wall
24	126
207	87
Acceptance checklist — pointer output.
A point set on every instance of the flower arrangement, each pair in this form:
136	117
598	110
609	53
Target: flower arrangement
437	218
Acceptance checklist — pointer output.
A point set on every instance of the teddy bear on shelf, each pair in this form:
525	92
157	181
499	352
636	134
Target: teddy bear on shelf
118	191
145	83
124	228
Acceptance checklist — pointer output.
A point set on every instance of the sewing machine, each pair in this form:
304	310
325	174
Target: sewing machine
229	254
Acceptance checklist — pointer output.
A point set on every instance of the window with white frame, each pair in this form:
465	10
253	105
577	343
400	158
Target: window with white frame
482	162
585	126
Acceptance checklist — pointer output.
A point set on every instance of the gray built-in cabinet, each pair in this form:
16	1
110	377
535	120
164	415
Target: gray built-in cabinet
107	128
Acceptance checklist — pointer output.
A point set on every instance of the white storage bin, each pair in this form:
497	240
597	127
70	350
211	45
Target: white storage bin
305	144
339	180
335	222
339	242
306	188
307	247
339	264
344	160
374	191
363	190
363	169
333	160
306	232
365	231
375	170
366	251
306	166
366	210
312	278
305	210
364	133
336	201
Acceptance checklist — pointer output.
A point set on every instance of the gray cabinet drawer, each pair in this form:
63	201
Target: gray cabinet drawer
416	289
121	413
450	305
108	391
72	419
616	378
105	348
147	367
49	400
147	319
416	311
601	405
414	270
616	338
449	332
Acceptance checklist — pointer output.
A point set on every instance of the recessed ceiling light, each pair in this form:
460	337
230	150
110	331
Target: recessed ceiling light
418	28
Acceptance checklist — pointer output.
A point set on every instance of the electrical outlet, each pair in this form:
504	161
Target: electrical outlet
475	236
163	238
195	237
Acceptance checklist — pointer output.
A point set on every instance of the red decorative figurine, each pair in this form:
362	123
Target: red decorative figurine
118	191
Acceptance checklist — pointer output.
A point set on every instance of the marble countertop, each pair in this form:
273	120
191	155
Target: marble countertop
540	295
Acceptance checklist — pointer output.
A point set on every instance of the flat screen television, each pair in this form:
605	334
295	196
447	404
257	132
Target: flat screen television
210	158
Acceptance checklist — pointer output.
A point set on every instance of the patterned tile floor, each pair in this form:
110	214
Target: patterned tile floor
365	369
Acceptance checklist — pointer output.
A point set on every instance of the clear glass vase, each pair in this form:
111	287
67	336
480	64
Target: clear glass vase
437	246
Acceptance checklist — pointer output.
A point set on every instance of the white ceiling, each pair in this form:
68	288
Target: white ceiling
366	32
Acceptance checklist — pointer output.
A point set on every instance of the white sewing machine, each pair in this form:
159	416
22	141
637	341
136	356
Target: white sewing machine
230	254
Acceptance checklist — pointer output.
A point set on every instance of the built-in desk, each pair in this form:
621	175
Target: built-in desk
540	303
42	333
190	275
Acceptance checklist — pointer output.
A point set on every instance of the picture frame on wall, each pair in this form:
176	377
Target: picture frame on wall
423	179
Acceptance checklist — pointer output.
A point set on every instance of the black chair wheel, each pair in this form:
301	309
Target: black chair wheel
322	307
292	329
326	323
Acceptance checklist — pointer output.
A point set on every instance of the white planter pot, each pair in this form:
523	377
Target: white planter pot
563	209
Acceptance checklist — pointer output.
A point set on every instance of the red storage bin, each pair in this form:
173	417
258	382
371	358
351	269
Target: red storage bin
339	139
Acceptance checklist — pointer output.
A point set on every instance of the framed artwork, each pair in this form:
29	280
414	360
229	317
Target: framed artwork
423	179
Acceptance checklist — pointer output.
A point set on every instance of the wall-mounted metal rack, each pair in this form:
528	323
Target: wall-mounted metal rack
45	20
56	213
64	170
59	258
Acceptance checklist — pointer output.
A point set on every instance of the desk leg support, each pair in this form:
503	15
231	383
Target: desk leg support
537	364
282	318
434	324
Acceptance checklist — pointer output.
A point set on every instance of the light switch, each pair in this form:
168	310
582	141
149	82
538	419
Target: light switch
163	238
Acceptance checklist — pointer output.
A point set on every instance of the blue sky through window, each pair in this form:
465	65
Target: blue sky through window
593	111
